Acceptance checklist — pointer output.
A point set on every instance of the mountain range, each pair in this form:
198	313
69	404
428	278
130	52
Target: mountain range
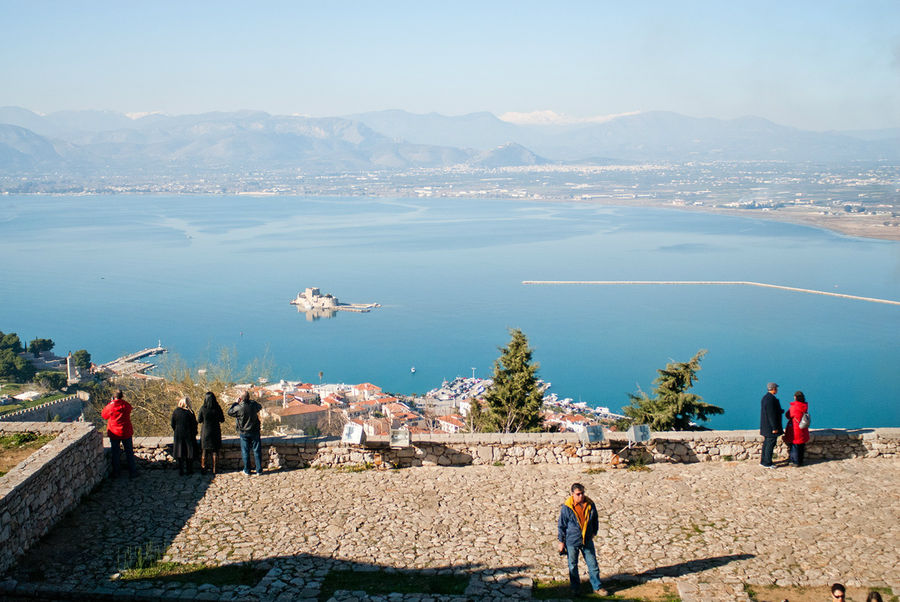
104	142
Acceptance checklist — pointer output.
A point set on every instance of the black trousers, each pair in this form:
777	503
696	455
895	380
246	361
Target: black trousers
768	447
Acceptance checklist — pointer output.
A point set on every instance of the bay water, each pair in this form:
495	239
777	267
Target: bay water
114	274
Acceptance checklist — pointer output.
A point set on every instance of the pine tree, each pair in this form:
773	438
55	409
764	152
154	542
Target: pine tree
672	408
514	401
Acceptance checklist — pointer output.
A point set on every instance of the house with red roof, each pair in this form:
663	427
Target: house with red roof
298	415
452	423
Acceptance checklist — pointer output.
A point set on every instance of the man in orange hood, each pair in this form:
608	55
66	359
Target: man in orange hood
578	523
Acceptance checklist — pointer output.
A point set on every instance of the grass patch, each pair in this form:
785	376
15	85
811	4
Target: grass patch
240	574
727	458
643	592
17	446
498	463
17	440
594	470
380	582
638	467
356	467
24	405
145	562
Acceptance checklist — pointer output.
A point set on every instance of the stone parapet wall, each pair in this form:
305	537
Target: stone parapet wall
533	448
68	409
41	489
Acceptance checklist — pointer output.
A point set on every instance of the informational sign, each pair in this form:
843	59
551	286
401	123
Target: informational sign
353	433
400	438
592	434
639	433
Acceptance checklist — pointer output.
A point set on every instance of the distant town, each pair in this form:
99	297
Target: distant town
305	408
301	408
860	199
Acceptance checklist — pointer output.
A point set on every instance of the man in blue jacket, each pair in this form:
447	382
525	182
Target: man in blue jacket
578	523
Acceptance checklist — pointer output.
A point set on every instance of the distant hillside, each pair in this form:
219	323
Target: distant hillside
507	155
650	136
79	143
218	141
481	131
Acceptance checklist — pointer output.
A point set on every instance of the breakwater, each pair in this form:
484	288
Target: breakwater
714	283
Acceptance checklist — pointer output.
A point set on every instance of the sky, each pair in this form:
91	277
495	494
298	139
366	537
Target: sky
817	65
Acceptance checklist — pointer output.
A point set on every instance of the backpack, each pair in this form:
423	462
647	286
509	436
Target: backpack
804	421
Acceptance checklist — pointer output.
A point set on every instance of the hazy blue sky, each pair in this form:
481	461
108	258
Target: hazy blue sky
810	64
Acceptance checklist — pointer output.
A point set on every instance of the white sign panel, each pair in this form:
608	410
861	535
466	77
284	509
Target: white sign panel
639	433
353	433
592	434
399	437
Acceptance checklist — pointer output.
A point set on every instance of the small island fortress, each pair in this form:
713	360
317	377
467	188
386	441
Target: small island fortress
312	300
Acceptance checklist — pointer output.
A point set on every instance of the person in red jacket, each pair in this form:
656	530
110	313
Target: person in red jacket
795	436
117	414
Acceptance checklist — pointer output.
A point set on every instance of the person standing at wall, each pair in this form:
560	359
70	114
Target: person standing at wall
246	414
117	414
184	429
796	433
210	418
769	424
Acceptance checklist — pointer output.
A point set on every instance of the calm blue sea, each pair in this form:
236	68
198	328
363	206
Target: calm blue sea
114	274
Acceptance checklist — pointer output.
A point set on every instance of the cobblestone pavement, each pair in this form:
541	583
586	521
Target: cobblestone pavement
707	528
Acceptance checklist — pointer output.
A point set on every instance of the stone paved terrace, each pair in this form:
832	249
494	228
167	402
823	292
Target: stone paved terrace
706	527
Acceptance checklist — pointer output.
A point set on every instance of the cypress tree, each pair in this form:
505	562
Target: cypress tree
514	401
672	408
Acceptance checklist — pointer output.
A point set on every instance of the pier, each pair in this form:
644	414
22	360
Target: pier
716	283
129	364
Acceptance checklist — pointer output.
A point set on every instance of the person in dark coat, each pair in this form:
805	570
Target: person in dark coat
769	424
184	428
210	417
246	414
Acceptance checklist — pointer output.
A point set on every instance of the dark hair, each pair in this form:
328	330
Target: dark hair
838	587
209	400
119	394
245	396
577	487
873	597
798	396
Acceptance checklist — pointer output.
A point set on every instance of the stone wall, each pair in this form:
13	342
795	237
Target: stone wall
41	489
533	448
68	409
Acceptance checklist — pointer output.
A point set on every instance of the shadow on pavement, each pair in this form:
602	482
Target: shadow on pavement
110	524
621	581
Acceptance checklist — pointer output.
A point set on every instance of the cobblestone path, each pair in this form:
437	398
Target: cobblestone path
707	528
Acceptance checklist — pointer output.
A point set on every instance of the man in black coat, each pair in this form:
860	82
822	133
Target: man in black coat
246	414
769	424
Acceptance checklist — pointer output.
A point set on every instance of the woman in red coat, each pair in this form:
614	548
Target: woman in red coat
795	436
117	413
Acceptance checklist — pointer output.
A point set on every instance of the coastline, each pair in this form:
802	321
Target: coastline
857	225
862	226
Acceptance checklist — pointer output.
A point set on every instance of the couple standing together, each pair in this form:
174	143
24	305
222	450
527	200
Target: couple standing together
796	433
